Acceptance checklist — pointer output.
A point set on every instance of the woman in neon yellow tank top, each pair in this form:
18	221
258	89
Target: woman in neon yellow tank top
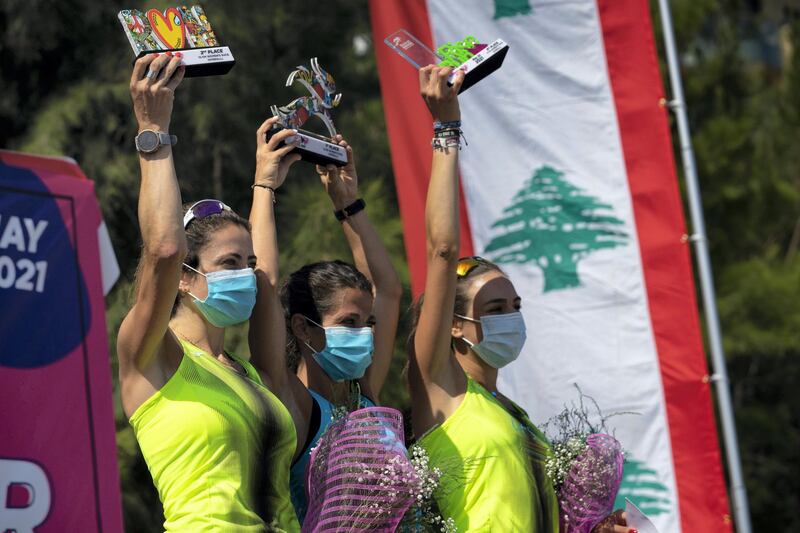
468	326
217	441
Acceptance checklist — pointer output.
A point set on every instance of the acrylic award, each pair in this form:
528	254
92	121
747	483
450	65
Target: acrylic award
322	98
477	60
180	28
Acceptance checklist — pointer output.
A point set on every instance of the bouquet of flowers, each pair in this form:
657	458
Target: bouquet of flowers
362	478
585	467
423	515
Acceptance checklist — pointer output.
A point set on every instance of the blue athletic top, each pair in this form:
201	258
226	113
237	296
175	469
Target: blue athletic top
297	479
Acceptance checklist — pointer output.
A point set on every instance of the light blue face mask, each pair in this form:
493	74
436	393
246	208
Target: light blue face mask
503	338
231	296
347	352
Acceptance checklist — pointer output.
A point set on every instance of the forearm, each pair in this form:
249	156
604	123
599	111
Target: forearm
265	235
370	255
160	210
267	334
441	208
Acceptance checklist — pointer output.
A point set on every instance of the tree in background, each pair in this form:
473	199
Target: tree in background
741	72
63	94
554	224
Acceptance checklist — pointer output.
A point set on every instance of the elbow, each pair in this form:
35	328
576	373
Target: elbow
168	251
394	289
267	277
444	251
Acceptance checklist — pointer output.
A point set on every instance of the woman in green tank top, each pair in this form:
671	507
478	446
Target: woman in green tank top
217	439
467	326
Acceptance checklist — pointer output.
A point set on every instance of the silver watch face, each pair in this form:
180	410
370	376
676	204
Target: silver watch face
147	141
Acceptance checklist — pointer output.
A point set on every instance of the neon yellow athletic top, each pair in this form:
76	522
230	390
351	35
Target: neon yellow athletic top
493	468
218	446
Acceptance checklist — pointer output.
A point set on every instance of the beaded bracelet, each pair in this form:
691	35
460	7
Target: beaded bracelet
451	124
448	137
442	144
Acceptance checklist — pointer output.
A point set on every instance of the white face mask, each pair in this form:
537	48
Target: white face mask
503	338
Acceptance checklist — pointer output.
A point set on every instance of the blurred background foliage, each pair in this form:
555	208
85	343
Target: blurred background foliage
65	69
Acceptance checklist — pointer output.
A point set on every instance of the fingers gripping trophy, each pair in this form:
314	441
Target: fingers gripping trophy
322	98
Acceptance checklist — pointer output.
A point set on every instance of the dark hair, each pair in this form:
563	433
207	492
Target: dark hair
463	283
199	233
311	290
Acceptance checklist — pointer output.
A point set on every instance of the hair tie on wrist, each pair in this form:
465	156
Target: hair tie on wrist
274	193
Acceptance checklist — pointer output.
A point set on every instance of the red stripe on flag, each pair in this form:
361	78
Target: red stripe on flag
408	124
644	129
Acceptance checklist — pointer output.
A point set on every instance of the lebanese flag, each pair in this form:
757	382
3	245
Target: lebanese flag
569	184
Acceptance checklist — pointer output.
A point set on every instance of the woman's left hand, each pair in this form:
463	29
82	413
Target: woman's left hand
614	523
341	183
272	163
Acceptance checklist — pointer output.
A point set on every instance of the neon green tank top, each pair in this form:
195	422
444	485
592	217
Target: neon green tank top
493	465
218	446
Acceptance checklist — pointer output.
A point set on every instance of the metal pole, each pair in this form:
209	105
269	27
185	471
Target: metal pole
720	376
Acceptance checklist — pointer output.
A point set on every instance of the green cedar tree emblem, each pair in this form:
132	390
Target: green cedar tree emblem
554	225
641	486
511	8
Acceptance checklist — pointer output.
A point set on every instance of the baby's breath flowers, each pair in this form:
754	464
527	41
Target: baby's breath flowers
585	466
423	515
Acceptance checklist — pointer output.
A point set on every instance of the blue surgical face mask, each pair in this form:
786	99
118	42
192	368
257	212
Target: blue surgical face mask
347	352
503	338
231	296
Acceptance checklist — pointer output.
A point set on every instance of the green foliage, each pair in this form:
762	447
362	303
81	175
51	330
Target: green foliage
65	94
744	111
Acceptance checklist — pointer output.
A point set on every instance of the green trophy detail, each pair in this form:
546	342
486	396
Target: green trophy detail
454	54
554	225
511	8
641	486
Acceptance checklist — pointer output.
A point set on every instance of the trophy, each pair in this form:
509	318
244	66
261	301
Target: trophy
181	28
322	97
477	60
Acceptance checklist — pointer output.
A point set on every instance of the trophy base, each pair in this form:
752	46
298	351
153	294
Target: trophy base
315	148
482	64
208	61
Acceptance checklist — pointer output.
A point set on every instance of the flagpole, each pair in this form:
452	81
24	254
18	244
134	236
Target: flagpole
720	375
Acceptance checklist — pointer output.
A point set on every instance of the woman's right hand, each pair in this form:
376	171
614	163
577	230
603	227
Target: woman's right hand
153	96
441	99
273	162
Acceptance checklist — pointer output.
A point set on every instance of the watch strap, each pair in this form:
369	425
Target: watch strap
350	210
165	138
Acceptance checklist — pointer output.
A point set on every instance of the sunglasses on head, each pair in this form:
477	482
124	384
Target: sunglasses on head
203	209
468	264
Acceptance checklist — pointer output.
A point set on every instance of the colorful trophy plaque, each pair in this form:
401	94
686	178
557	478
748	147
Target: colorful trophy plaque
477	60
313	147
178	28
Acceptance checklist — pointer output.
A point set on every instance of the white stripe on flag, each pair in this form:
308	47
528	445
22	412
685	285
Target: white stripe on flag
551	105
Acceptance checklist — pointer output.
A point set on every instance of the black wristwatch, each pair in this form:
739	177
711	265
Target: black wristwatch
149	141
350	210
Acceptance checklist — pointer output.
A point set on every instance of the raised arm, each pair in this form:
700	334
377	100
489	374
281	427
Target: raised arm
143	330
436	379
267	334
372	259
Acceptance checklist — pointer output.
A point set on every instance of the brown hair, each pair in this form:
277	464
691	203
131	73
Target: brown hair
463	284
198	234
311	292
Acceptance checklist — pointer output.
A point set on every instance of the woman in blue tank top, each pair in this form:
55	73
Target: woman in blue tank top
341	320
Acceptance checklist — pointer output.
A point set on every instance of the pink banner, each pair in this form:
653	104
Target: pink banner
58	469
